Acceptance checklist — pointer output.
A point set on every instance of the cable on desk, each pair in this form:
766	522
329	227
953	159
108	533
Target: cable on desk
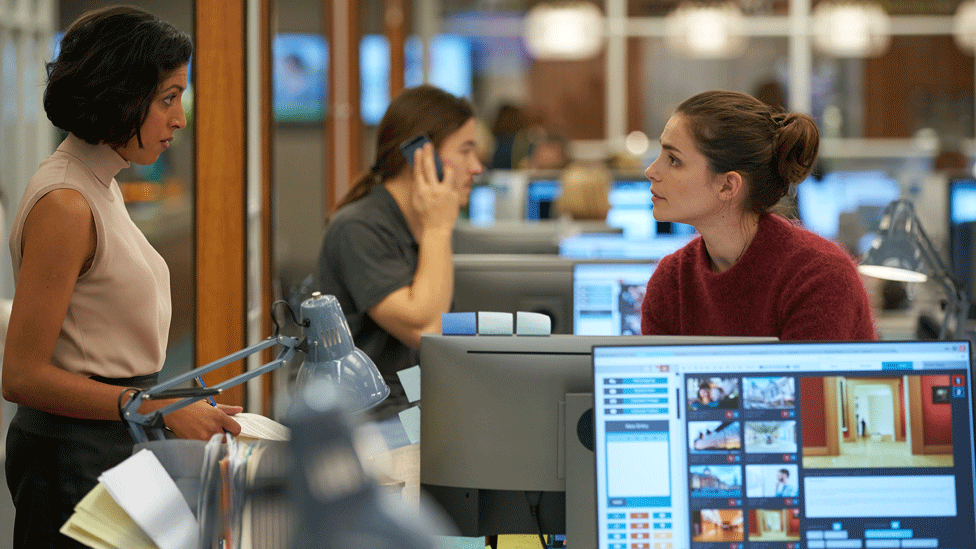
534	509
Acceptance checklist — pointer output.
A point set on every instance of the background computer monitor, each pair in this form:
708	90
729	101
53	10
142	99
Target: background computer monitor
846	206
630	209
512	283
607	297
609	246
962	230
521	237
540	196
493	428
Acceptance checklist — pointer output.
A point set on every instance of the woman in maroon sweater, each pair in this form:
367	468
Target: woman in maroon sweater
726	161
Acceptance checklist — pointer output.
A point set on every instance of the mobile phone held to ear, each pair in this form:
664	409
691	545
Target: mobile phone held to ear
410	145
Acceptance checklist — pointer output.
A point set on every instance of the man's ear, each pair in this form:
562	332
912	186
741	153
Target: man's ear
732	186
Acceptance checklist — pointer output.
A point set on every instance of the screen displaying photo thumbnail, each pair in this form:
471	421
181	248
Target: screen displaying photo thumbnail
762	393
715	481
714	436
878	421
717	525
770	437
772	481
774	525
630	299
713	392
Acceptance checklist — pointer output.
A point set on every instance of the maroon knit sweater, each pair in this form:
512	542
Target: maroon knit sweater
789	283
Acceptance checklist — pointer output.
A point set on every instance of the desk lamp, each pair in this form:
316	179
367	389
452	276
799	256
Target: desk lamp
903	252
330	355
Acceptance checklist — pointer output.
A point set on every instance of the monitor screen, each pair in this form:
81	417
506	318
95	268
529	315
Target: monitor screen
780	445
630	208
607	297
451	69
494	437
608	246
846	206
962	201
481	205
962	230
299	76
539	199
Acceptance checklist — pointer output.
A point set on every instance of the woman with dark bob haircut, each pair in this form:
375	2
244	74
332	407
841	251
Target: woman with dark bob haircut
726	160
91	310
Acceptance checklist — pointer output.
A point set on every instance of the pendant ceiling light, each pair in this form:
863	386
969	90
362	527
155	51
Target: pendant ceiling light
706	30
844	28
964	26
564	30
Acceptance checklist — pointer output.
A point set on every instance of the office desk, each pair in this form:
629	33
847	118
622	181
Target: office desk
399	469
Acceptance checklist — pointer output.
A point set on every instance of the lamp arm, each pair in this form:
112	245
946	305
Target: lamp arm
958	299
139	424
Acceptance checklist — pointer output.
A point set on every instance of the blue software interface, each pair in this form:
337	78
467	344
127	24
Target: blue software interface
784	445
540	196
607	297
962	229
630	211
862	196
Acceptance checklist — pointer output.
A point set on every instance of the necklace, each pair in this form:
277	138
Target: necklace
746	245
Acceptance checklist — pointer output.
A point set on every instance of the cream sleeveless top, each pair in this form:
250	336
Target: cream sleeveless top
117	324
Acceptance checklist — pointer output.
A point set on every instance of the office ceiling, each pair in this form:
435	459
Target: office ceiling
650	8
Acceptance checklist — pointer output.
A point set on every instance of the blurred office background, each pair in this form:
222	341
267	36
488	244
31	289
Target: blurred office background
890	83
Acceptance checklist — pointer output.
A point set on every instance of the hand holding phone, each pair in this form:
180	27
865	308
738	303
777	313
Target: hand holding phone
409	146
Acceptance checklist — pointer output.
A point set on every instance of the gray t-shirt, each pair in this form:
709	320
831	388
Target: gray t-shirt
368	252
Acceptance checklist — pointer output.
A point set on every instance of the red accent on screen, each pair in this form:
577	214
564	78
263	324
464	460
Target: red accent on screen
936	418
812	408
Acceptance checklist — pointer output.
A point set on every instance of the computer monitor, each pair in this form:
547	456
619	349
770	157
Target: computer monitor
493	429
520	237
813	445
962	230
481	205
451	69
540	196
607	297
610	246
511	283
509	190
630	207
862	196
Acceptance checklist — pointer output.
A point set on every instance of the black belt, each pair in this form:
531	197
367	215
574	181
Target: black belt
37	421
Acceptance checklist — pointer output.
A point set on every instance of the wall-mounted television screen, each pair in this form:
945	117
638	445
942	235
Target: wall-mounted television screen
300	64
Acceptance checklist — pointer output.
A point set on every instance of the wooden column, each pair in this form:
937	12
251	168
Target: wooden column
395	28
266	33
343	134
220	188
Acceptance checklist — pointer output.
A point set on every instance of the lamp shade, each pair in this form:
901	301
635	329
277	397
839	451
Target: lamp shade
331	354
851	28
564	30
895	254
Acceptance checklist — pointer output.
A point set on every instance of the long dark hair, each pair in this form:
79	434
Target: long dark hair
421	110
111	63
773	150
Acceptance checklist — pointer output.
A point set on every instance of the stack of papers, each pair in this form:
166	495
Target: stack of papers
136	505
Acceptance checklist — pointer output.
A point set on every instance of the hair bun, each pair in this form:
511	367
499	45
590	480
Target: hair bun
797	144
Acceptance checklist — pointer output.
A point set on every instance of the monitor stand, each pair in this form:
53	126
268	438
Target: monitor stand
580	472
